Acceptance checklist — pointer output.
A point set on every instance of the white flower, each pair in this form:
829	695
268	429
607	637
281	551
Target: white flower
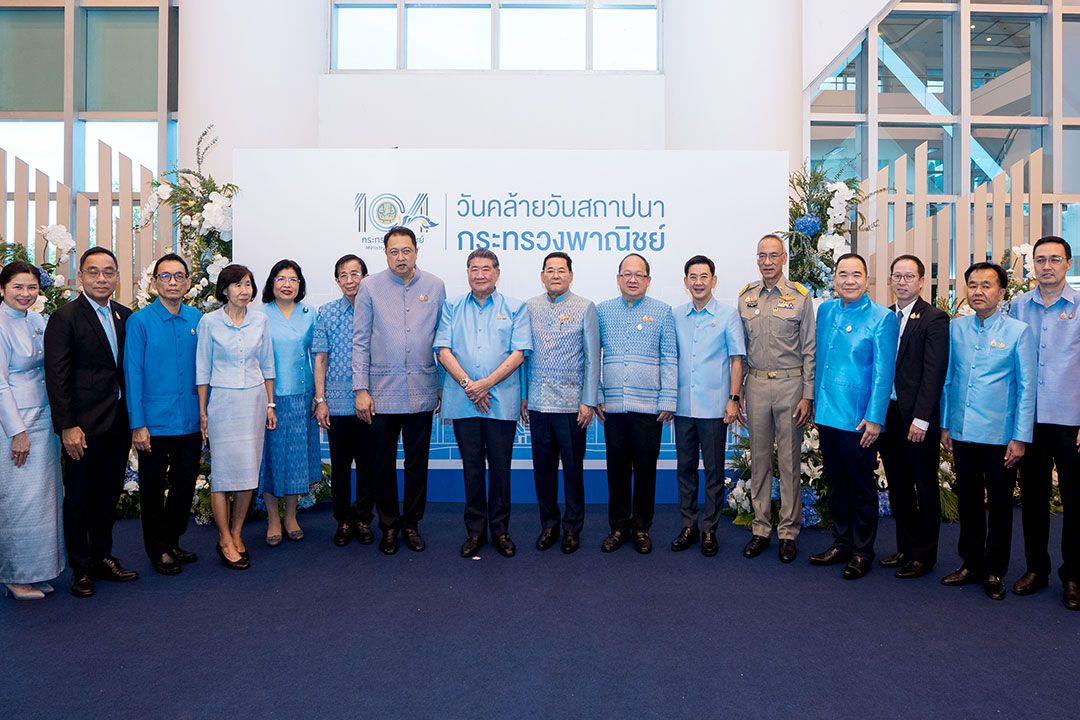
131	487
59	281
945	466
163	191
67	293
193	291
39	304
59	237
185	220
204	282
214	269
201	483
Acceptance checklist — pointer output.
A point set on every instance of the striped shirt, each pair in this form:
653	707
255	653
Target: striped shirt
564	368
640	357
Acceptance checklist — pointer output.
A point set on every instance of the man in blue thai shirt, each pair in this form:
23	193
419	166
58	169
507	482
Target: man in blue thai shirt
638	395
987	413
1051	311
856	356
711	349
483	338
563	373
163	411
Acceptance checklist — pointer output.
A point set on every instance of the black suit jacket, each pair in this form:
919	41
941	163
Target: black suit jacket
83	381
921	362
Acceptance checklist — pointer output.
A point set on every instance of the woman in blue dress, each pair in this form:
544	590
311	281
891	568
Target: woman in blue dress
291	458
234	375
31	548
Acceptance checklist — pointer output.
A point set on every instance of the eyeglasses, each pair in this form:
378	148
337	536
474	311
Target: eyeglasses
354	274
283	280
107	273
168	276
561	272
762	257
401	252
1052	260
904	277
632	276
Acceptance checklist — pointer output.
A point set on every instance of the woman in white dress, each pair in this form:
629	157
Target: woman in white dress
31	489
234	375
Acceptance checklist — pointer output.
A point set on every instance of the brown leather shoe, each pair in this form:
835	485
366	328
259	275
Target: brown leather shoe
1029	583
895	560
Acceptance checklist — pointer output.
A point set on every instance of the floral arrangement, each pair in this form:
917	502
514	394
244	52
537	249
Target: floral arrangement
55	288
203	208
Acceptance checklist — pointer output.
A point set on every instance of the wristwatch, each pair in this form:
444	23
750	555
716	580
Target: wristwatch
733	397
319	401
463	381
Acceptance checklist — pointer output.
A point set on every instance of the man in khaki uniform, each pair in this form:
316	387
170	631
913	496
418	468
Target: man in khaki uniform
778	316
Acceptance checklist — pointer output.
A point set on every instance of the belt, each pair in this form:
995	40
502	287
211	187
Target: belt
773	374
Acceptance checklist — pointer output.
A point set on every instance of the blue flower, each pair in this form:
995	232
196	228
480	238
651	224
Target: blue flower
809	225
774	491
884	508
45	279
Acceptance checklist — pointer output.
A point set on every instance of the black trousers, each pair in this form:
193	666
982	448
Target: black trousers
490	442
349	438
984	493
92	487
633	446
914	492
415	432
853	499
704	438
555	437
1052	445
172	464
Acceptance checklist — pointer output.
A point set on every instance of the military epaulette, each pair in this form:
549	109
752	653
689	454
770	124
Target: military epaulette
801	288
747	286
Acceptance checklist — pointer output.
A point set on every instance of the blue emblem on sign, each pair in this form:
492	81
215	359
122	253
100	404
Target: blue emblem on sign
387	210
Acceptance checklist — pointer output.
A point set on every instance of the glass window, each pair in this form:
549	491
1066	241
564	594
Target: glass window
837	149
121	59
995	149
32	60
137	140
625	37
541	38
1002	62
448	38
365	37
1070	230
843	91
39	144
895	141
1070	48
912	77
1071	164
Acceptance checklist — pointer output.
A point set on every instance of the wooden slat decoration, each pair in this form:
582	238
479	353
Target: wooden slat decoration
81	232
859	244
944	220
999	240
920	245
125	255
63	217
146	246
879	260
962	254
1035	193
3	191
22	201
166	230
1016	203
978	230
41	216
105	197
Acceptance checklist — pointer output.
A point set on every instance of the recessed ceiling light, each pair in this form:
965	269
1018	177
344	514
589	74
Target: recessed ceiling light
972	26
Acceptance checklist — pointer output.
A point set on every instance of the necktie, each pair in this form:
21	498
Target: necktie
110	331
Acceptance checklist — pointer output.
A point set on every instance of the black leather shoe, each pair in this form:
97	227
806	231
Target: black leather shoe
184	557
570	543
548	537
687	537
362	533
615	540
755	546
240	564
413	540
856	568
832	556
109	568
82	586
389	544
963	576
1029	583
343	535
642	542
994	588
471	545
897	559
709	546
166	564
1070	598
913	569
788	551
505	546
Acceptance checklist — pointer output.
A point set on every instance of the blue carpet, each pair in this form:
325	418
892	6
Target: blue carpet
314	631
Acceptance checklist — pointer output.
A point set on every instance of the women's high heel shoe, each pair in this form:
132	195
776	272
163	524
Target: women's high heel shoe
241	564
23	592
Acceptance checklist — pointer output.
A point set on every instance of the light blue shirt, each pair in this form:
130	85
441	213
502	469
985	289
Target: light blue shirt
293	368
563	369
481	338
640	370
234	356
334	336
856	362
1056	331
159	370
708	339
104	316
22	367
393	333
989	394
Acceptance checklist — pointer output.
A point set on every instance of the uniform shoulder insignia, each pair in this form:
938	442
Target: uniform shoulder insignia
801	288
747	286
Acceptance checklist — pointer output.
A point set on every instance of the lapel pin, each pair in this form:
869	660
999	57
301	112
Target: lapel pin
640	326
847	329
913	316
1064	316
713	323
192	332
757	312
423	298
